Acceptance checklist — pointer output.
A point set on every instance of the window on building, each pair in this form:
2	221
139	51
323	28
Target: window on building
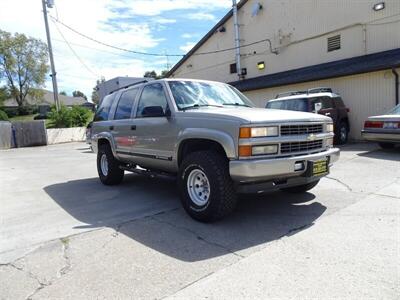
125	104
334	43
232	68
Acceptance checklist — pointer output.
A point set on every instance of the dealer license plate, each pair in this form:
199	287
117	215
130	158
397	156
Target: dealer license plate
320	167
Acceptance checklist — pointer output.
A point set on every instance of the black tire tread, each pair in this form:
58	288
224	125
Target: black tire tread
115	174
219	169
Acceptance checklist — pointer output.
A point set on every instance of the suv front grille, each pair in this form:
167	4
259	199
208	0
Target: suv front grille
301	129
300	146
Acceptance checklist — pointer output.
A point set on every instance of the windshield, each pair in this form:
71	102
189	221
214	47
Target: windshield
192	94
394	111
300	104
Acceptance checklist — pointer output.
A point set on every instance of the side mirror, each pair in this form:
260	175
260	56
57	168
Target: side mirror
153	111
317	107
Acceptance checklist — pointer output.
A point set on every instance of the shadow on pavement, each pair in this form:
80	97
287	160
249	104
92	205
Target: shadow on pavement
385	154
150	213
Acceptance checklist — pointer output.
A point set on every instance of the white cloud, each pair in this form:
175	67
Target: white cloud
165	21
201	16
187	47
188	35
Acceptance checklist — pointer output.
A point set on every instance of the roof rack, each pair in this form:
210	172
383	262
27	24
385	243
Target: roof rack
309	91
291	93
319	90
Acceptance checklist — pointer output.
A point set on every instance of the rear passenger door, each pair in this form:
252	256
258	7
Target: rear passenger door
123	127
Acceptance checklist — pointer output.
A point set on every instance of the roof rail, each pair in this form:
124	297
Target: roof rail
319	90
291	93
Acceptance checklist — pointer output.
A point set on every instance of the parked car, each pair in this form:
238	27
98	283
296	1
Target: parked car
213	139
384	129
317	100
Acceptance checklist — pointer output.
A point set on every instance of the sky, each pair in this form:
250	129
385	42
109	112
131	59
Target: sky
156	26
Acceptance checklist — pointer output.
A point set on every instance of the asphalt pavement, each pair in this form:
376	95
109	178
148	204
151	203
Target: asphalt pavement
64	235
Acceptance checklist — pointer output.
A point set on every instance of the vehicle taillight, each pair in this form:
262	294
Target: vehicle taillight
373	124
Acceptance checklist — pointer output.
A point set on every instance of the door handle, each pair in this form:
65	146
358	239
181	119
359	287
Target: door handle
111	127
133	127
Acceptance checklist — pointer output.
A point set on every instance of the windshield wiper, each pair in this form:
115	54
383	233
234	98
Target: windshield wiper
198	105
236	104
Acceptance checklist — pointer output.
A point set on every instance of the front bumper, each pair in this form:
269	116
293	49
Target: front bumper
381	136
257	170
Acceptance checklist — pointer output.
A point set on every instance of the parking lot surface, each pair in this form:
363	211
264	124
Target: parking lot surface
64	235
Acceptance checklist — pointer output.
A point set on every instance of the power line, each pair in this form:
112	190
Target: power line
160	54
73	51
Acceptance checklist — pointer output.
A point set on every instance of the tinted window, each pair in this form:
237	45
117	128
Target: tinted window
152	95
292	104
104	108
125	104
339	102
326	102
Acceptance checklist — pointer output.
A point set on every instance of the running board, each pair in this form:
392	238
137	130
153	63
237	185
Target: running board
145	172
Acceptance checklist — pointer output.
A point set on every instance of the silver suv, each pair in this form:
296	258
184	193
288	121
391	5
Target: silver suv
213	139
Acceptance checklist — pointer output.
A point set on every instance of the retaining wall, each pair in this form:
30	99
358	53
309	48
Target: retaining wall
5	135
65	135
32	133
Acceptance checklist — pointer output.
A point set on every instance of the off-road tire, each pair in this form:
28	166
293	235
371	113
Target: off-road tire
386	145
301	188
339	138
222	198
114	175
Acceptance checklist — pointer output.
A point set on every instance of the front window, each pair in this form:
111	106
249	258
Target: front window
300	104
395	110
192	94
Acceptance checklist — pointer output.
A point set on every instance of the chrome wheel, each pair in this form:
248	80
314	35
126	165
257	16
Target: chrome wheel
343	133
198	187
104	164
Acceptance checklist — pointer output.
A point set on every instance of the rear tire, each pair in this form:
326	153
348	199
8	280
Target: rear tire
301	188
206	188
386	145
342	134
108	167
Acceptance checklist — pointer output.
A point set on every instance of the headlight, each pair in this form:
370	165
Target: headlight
329	127
263	150
247	132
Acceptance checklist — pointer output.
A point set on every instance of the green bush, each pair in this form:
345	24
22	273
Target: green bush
80	116
61	118
76	116
3	116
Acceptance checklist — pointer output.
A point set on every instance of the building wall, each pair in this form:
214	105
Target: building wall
299	31
365	94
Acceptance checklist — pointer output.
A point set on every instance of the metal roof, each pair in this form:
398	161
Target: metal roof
350	66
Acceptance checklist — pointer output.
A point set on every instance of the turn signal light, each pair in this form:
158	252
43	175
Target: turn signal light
245	150
245	133
373	124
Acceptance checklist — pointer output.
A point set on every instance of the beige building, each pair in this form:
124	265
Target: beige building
352	46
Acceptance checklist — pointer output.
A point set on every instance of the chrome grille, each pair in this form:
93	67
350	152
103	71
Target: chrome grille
293	147
301	129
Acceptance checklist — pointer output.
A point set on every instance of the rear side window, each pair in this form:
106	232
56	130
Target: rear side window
326	102
104	109
300	104
125	104
152	95
339	102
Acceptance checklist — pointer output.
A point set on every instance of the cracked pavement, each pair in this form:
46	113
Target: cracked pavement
63	235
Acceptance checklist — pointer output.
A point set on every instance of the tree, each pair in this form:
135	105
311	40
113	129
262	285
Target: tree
79	94
3	95
64	93
95	94
153	74
23	65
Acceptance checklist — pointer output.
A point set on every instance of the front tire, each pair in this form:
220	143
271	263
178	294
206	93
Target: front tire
301	188
342	134
206	188
108	167
386	145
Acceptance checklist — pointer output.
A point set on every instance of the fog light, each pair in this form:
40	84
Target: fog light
263	150
329	143
379	6
299	166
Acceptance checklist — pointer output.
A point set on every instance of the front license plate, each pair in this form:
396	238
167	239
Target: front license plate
320	167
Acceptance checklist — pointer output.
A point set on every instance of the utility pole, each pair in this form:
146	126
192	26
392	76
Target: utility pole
50	3
237	39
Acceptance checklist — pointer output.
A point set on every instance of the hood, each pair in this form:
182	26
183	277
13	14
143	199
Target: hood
255	115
